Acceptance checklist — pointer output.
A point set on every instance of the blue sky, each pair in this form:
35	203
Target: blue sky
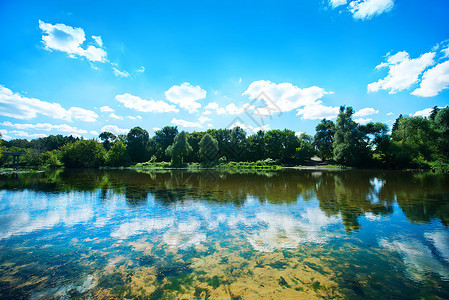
84	67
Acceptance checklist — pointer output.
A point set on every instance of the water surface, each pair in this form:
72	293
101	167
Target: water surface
177	234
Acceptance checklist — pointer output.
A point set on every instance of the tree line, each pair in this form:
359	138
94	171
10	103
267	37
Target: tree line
412	142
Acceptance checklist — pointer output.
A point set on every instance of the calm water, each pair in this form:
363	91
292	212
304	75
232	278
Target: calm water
288	234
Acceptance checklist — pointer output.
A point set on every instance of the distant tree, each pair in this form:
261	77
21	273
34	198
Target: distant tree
305	150
118	155
162	139
83	154
208	149
324	139
442	128
108	139
237	144
349	145
396	124
137	144
434	113
179	148
256	146
194	139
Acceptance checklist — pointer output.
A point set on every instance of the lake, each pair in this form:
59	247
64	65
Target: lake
173	234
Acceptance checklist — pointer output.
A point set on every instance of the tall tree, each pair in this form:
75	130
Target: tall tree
83	154
324	139
349	146
179	149
208	149
256	146
162	139
137	144
108	139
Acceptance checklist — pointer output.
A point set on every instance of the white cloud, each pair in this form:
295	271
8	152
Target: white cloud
368	111
249	128
362	120
27	135
139	104
114	116
186	96
283	97
204	119
390	114
134	117
68	39
17	106
156	128
231	108
336	3
434	81
106	109
318	111
183	123
119	73
366	9
403	72
114	129
93	132
45	127
141	70
423	113
98	40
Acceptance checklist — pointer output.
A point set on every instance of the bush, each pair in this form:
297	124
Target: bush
83	154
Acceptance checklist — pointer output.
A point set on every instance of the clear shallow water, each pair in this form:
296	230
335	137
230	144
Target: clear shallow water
172	234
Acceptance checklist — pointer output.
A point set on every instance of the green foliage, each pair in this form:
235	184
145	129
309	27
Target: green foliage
108	139
324	139
118	155
179	148
208	148
137	144
53	160
162	140
83	154
350	146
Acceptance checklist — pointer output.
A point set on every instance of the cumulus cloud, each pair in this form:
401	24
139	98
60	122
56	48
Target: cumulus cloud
134	117
17	106
337	3
284	97
106	109
318	111
25	134
114	116
434	81
46	127
114	129
186	96
249	128
139	104
403	72
423	113
366	9
363	120
183	123
141	70
203	119
368	111
119	73
68	39
231	108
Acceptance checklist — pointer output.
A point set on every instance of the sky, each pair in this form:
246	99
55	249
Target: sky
83	67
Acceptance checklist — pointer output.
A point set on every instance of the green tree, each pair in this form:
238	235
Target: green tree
305	150
162	140
108	139
442	128
208	149
83	154
118	155
179	148
350	148
137	144
324	139
256	146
